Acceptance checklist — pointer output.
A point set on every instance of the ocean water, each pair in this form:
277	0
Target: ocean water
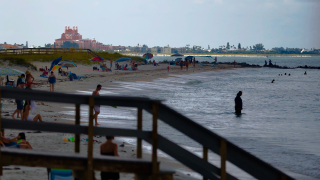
280	122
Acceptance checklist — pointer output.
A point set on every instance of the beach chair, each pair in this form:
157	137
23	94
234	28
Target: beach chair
59	174
9	81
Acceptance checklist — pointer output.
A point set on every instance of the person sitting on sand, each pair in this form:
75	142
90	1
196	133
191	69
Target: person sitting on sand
23	140
109	148
96	107
105	66
30	105
13	142
29	77
19	103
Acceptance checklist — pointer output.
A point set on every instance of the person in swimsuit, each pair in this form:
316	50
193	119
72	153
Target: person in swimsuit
238	102
19	103
109	148
26	112
13	142
51	81
168	68
181	65
111	64
29	77
187	65
96	107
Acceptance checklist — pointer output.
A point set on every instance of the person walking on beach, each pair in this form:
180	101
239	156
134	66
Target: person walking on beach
238	103
234	63
96	107
109	148
181	65
168	68
111	64
19	103
52	80
29	77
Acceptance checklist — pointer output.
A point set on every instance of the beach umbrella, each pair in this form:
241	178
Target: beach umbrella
55	62
123	59
97	58
55	67
10	71
147	56
67	64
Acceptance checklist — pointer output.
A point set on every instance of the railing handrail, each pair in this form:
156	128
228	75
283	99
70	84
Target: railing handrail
200	134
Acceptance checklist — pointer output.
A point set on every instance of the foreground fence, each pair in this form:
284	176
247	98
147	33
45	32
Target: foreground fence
83	166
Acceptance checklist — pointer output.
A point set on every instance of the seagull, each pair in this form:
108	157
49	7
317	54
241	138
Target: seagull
122	145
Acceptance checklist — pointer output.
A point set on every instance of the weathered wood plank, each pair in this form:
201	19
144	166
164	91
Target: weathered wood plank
74	161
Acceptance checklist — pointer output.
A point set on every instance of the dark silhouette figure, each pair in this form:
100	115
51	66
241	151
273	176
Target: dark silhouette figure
285	73
238	102
305	73
289	74
272	81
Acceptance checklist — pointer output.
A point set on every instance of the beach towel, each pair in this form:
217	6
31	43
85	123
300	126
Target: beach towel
60	174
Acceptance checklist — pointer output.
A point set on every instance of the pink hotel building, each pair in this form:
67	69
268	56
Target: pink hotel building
74	36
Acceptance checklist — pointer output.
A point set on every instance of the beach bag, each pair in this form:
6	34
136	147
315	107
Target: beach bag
60	174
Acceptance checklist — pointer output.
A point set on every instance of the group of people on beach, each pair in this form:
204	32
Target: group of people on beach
186	63
25	106
16	142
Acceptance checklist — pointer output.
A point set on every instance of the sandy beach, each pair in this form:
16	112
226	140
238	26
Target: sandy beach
45	141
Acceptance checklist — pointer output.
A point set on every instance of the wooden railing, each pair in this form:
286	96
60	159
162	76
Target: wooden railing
45	51
209	140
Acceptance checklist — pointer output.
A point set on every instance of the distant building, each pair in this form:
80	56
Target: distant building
8	46
72	35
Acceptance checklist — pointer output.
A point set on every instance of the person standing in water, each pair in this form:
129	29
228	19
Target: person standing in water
96	107
52	80
305	73
238	103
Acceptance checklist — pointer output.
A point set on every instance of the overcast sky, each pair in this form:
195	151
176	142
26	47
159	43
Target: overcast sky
275	23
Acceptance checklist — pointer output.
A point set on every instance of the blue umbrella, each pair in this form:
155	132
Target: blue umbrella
55	62
123	59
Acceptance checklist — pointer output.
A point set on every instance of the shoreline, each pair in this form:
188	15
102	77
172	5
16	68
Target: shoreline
229	55
53	113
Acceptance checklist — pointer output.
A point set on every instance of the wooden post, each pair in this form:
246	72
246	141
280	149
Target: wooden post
77	136
90	141
205	157
1	173
283	177
139	143
155	166
223	155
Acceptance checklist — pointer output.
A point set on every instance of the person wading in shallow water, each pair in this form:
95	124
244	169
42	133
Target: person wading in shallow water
238	102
